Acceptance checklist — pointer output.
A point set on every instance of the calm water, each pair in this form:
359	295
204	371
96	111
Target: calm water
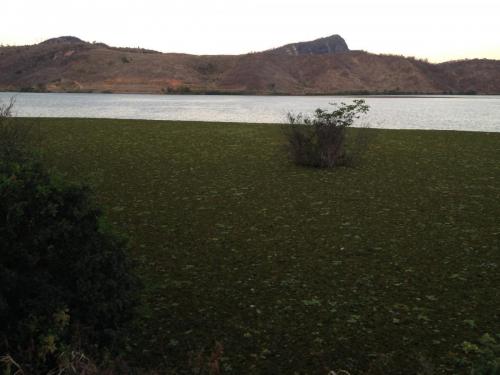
479	113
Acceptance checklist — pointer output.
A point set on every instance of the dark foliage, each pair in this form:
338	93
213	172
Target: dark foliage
320	141
61	269
17	139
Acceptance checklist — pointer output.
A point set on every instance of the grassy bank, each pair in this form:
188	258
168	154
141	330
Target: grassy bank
383	268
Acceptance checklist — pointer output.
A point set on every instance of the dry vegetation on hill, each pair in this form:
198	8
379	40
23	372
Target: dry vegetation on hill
68	64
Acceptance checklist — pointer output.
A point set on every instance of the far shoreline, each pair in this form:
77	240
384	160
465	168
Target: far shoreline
239	94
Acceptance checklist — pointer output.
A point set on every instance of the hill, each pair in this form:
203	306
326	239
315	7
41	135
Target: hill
328	45
322	66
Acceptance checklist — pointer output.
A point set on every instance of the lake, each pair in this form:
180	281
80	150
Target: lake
476	113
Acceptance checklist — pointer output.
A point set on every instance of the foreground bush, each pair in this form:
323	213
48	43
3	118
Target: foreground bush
64	276
481	358
17	139
320	141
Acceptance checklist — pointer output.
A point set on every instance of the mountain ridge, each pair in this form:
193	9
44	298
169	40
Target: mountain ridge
322	66
330	44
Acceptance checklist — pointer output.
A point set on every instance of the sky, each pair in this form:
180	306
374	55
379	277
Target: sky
437	30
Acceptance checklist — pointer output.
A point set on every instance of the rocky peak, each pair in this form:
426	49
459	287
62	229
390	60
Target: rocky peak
331	44
63	40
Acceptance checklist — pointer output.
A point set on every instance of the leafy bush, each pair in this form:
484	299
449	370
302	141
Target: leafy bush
320	141
16	138
63	273
483	357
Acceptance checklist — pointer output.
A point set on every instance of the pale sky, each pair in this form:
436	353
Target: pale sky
435	29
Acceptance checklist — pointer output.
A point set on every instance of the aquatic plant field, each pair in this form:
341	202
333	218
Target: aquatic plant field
384	267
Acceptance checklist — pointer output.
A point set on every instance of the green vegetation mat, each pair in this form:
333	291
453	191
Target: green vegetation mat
385	267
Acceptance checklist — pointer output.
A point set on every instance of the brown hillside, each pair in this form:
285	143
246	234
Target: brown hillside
68	64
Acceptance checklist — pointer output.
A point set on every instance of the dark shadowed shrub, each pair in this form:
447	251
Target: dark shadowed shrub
17	138
63	273
481	357
320	141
